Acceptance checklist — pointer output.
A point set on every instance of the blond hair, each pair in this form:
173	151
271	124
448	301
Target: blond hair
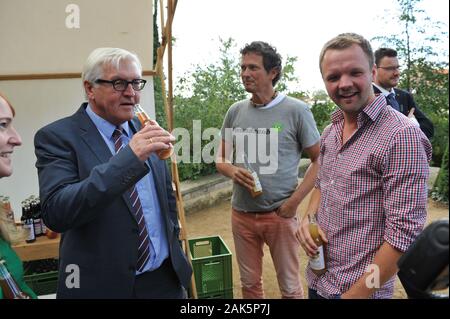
9	104
344	41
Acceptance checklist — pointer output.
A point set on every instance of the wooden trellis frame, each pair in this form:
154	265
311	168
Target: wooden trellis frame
166	42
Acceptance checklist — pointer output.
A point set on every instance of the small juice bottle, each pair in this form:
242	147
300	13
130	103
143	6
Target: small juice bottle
257	189
144	119
317	262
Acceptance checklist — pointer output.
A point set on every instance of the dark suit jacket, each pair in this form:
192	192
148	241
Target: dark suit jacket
406	102
82	190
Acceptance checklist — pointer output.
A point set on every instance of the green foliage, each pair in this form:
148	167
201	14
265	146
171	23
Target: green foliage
431	96
288	76
430	80
205	95
440	191
160	112
322	107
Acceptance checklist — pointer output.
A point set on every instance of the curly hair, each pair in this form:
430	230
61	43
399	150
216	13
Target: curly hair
271	58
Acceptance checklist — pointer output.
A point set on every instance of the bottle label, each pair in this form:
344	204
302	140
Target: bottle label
317	262
257	187
37	226
29	231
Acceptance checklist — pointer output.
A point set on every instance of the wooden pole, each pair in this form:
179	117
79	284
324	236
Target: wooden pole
52	76
168	106
169	62
163	25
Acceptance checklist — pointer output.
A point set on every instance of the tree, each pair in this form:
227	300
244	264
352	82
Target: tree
418	38
426	73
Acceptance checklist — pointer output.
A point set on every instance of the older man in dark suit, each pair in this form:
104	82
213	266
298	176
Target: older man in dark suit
385	81
103	187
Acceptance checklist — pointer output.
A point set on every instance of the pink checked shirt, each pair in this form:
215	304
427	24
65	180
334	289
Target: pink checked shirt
373	189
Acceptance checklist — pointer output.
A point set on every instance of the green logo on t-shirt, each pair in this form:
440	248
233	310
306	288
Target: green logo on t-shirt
278	126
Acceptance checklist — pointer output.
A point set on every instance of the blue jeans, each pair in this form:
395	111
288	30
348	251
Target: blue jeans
312	294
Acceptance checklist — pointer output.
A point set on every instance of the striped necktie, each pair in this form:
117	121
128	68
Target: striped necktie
144	243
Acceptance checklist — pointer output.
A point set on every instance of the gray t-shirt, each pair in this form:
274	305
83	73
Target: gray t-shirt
272	139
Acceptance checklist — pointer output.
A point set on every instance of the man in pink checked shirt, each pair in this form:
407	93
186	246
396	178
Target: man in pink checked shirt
371	192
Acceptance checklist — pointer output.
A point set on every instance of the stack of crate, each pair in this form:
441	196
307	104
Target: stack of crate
211	261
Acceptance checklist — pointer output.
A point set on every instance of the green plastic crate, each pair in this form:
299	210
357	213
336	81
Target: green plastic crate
225	294
211	260
43	284
41	276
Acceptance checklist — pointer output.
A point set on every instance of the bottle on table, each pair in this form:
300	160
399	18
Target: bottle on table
39	213
27	222
36	218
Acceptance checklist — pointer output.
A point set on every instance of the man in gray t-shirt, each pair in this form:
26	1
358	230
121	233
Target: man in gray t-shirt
266	135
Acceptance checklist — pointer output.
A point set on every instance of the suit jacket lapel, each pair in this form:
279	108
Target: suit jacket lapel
376	90
91	136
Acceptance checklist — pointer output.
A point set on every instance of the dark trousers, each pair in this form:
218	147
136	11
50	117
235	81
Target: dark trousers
312	294
161	283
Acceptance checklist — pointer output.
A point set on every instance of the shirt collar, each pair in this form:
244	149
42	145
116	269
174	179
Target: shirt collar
275	101
105	127
383	90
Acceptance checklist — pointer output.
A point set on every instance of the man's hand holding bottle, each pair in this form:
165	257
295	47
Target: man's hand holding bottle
307	242
151	138
243	177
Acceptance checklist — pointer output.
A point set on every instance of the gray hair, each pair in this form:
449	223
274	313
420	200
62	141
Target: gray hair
93	67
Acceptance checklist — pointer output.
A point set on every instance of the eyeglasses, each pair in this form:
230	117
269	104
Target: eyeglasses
122	85
389	68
